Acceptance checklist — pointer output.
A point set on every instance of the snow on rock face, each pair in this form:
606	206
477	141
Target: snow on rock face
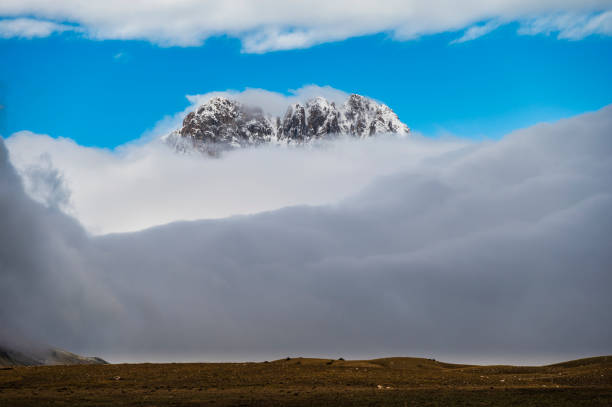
222	124
364	118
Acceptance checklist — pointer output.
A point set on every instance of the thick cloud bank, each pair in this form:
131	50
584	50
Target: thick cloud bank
501	250
141	186
278	25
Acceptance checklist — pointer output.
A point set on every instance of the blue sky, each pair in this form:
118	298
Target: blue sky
107	92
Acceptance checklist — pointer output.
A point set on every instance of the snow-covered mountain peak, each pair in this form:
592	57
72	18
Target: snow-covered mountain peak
223	123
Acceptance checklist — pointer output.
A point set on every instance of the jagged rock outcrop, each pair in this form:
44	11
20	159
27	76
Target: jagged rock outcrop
222	124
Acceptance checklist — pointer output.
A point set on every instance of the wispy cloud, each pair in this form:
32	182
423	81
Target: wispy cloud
477	31
30	28
570	26
121	57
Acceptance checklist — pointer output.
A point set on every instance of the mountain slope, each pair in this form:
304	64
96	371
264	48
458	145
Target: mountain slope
222	124
38	356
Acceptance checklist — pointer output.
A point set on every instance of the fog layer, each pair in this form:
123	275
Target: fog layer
497	248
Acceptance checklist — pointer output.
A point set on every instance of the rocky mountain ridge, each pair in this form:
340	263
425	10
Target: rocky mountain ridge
222	124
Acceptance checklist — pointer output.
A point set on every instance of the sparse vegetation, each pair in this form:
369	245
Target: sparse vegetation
303	381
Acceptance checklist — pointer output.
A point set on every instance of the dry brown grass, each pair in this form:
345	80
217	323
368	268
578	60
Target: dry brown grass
301	381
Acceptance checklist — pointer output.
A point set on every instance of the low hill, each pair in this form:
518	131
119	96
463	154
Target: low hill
41	356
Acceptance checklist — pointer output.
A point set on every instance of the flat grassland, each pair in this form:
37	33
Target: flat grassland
311	382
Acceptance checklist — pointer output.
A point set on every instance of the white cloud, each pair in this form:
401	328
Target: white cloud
570	26
30	28
477	31
276	39
45	184
277	25
273	102
129	179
